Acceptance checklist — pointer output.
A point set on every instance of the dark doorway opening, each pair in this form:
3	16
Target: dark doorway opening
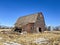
40	30
18	30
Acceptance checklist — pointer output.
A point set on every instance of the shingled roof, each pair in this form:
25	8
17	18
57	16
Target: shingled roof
26	19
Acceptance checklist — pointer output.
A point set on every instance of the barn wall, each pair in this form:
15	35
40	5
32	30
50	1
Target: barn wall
29	27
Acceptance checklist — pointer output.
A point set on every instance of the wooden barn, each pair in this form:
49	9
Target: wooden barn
30	23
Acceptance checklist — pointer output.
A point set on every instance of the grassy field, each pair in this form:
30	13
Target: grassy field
29	39
5	30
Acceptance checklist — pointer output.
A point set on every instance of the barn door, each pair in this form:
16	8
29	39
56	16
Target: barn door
39	29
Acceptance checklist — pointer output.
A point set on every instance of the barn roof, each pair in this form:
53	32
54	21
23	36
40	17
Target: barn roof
26	19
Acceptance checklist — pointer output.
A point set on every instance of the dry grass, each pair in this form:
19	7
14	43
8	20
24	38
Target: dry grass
27	39
5	30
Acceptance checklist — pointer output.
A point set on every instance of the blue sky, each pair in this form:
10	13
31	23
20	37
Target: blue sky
11	10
